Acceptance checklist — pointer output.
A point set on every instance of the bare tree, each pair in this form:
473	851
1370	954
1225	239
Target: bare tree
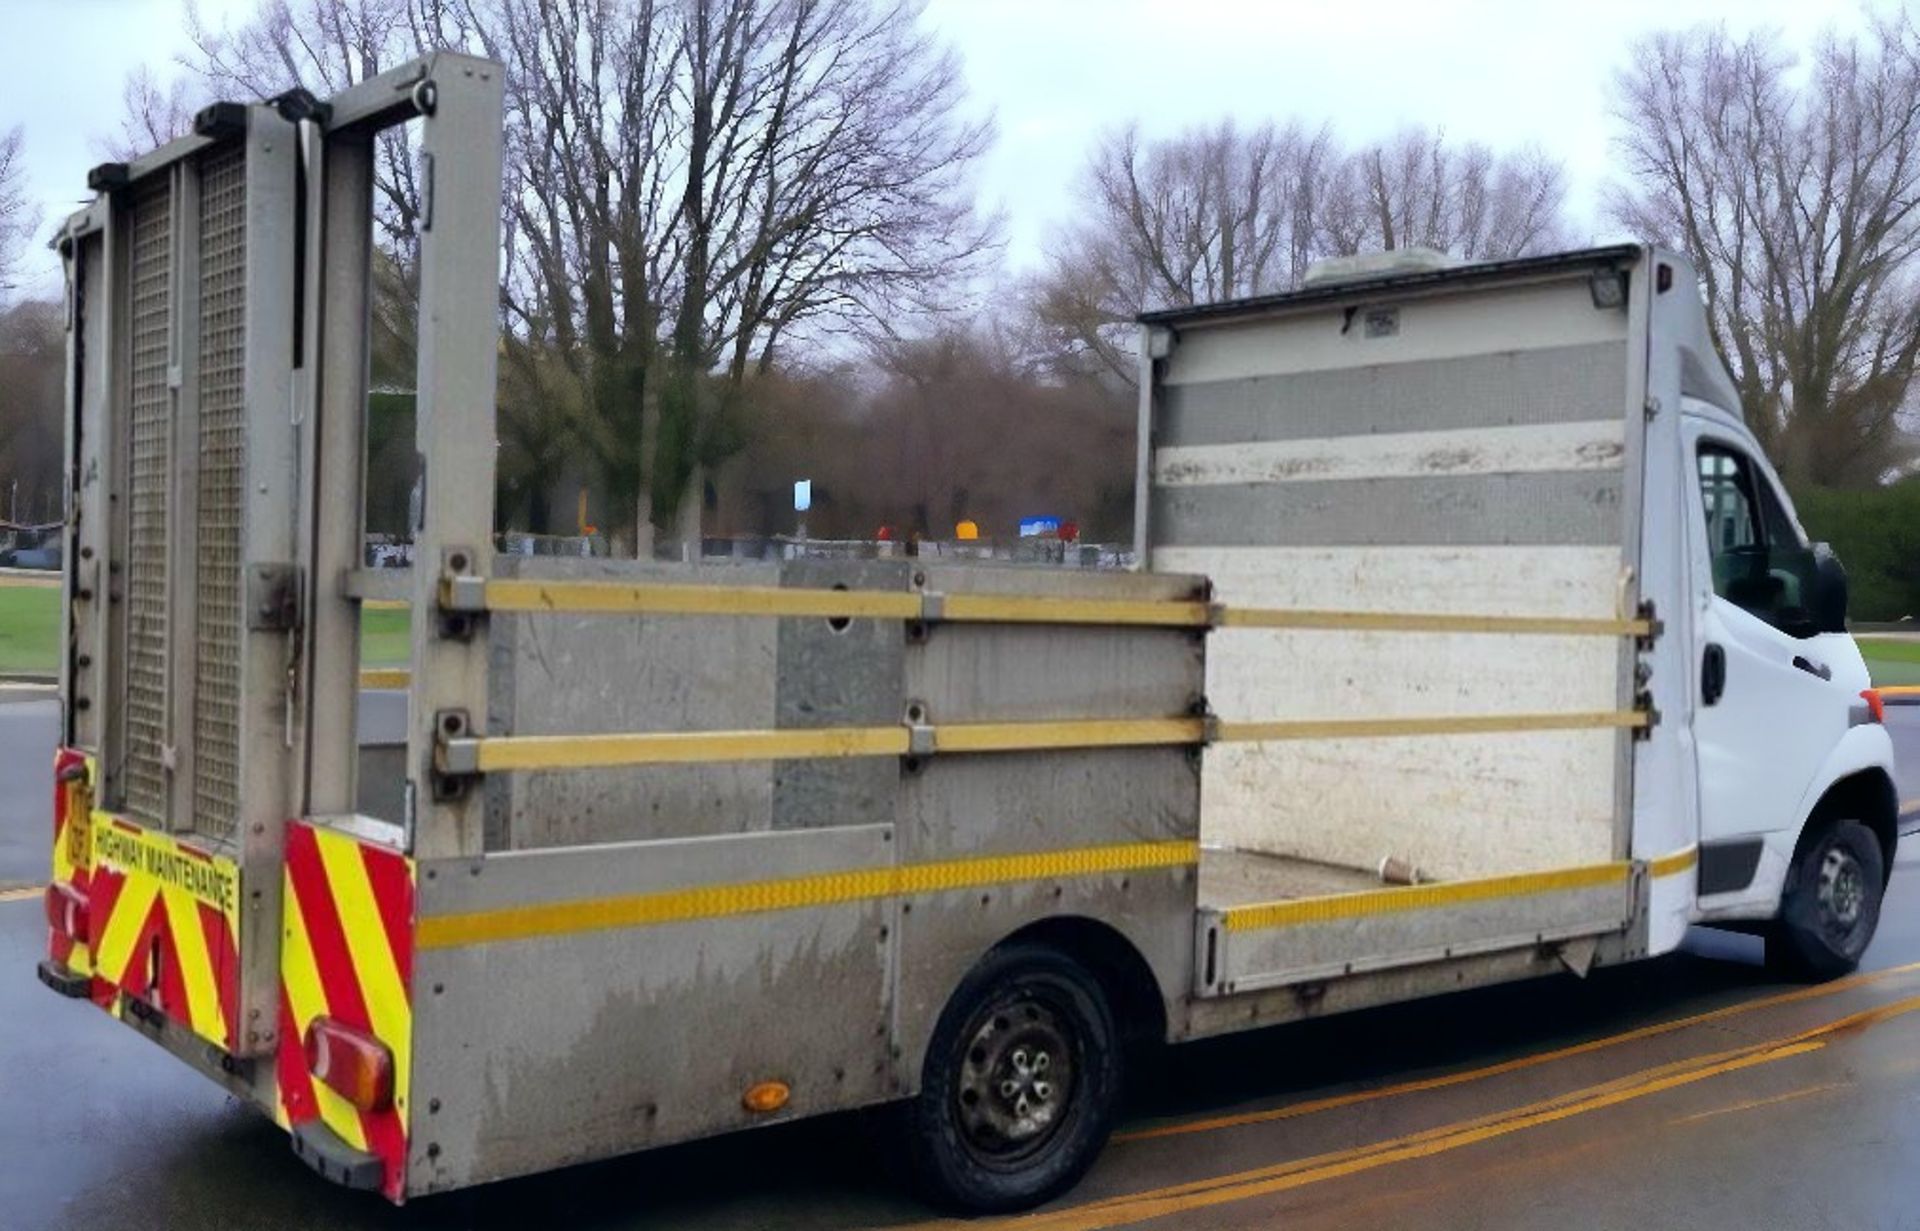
1215	213
32	354
1418	190
1797	196
325	46
152	114
691	184
1223	212
697	180
957	423
17	216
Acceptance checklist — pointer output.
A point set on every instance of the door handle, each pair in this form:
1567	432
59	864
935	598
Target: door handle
1713	673
1817	670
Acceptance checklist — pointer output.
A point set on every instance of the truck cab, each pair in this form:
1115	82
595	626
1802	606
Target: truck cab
1784	730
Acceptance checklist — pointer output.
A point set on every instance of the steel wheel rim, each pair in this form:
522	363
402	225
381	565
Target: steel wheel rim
1017	1079
1841	893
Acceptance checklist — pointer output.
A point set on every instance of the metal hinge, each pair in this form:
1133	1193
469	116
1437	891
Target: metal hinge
1652	407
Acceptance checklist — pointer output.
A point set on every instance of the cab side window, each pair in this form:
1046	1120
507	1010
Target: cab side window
1760	563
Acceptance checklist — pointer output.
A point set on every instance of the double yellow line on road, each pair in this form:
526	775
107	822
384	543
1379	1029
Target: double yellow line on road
1298	1173
1334	1102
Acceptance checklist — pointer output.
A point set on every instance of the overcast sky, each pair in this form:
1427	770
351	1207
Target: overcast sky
1055	73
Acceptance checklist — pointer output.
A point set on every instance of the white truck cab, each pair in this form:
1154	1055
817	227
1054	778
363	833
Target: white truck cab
1783	726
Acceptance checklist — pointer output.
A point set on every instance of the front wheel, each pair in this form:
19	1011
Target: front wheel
1831	905
1020	1086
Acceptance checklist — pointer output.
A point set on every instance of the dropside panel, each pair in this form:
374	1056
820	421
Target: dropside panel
582	1002
1255	946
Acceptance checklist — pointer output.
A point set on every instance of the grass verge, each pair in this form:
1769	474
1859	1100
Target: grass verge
30	626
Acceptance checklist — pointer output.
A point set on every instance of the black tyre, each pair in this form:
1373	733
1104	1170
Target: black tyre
1020	1086
1831	905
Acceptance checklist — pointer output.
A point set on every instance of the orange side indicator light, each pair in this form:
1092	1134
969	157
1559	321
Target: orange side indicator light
766	1096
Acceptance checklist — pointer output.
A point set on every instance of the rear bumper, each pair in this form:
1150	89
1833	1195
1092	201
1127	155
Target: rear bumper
320	1148
72	985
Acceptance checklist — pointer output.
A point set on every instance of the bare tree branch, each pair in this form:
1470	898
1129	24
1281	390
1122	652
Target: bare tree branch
1799	202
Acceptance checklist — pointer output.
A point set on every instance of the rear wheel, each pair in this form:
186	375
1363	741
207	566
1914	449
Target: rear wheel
1021	1082
1831	905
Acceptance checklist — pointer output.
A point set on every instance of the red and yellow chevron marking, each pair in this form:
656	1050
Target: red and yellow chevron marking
72	848
163	921
347	951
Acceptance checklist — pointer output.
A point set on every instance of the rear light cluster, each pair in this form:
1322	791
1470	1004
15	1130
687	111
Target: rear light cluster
69	782
1876	705
352	1063
67	911
67	904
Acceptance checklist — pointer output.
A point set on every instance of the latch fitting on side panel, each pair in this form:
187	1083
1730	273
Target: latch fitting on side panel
273	598
1200	708
1643	702
456	755
463	594
1654	627
921	740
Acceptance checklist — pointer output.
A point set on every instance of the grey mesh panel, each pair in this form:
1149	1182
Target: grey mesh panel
1551	508
218	582
1564	384
148	478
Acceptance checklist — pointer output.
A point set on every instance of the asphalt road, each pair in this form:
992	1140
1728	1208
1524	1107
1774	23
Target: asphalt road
1692	1091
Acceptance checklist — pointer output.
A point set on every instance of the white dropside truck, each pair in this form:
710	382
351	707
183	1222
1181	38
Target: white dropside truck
1476	640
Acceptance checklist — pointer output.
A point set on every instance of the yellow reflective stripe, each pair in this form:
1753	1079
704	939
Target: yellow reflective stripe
1419	897
306	1000
203	1009
385	677
790	893
1679	861
1459	724
374	967
1409	622
1040	865
130	910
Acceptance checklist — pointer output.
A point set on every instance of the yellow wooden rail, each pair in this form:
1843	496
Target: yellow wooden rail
550	752
612	597
1382	621
1465	724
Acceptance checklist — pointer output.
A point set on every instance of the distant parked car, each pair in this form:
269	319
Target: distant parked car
44	554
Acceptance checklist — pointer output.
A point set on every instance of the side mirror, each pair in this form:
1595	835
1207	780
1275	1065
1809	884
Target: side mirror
1829	599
